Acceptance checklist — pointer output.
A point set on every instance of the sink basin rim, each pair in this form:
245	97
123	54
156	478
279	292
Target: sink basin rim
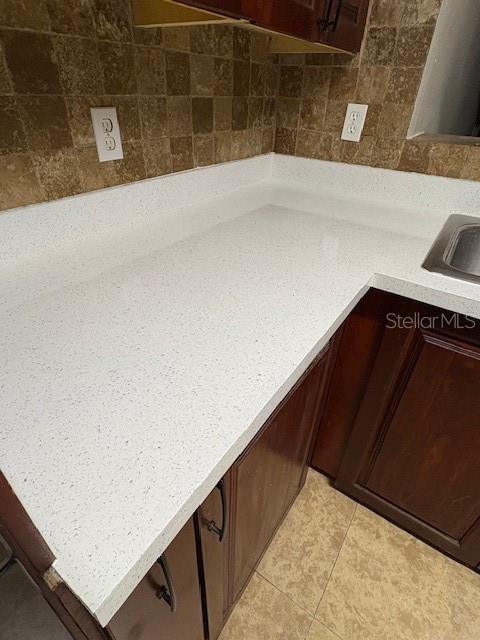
443	248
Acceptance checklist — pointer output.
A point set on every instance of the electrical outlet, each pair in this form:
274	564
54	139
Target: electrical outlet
354	122
107	133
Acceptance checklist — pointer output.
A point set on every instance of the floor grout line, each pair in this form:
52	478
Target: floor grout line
287	595
309	628
312	615
326	627
336	560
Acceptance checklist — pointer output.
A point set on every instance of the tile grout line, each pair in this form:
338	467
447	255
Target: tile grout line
285	594
335	563
313	618
309	629
258	571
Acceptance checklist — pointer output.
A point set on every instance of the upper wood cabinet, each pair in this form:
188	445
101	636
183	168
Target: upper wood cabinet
341	23
229	8
415	445
301	25
293	17
167	603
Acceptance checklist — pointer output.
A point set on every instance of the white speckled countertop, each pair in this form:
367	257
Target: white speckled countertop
145	339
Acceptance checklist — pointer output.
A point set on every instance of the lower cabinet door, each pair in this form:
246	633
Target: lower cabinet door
351	359
413	455
267	477
214	527
167	604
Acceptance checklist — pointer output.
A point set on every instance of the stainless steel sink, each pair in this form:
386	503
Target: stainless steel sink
456	251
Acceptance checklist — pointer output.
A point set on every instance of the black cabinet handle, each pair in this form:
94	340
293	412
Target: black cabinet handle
212	526
167	592
324	23
350	11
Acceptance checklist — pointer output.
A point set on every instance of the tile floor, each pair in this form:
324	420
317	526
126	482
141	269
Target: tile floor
337	571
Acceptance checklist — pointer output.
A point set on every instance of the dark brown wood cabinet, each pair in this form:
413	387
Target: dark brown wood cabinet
230	8
267	477
293	17
400	429
167	603
214	531
31	552
336	23
352	354
393	403
341	23
240	517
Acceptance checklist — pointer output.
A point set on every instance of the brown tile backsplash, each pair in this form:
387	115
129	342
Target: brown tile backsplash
78	20
173	89
201	75
112	18
153	116
239	113
158	157
182	153
202	115
193	96
203	150
223	76
241	78
58	172
25	15
31	60
386	76
18	181
78	65
379	45
117	63
178	73
46	123
12	137
150	71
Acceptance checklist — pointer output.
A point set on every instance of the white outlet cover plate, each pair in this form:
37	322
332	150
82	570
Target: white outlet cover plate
354	122
107	133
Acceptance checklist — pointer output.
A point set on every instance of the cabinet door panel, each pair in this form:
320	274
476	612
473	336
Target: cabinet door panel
414	450
231	8
146	617
343	24
293	17
352	355
268	476
214	526
442	398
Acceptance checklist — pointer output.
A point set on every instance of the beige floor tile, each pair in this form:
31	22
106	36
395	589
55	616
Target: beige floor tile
387	585
264	613
319	632
303	552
